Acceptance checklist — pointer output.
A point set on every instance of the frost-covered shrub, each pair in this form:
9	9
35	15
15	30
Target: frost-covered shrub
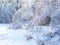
44	8
22	17
54	41
6	15
38	33
12	10
44	35
55	22
24	14
55	19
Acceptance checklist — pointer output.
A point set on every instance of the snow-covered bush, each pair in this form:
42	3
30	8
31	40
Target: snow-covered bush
43	35
12	10
55	22
44	8
55	19
22	17
46	35
6	15
24	14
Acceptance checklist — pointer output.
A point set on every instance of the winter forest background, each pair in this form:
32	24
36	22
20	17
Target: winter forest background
29	22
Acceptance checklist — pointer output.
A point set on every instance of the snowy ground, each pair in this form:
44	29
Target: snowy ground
13	37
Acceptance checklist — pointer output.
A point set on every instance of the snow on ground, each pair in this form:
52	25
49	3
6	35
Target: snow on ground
13	37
